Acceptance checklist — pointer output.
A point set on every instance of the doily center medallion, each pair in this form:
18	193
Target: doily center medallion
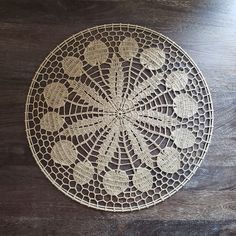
118	117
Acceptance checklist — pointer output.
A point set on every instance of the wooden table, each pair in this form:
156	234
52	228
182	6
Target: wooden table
29	204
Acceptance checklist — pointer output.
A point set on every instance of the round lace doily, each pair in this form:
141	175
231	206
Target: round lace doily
118	117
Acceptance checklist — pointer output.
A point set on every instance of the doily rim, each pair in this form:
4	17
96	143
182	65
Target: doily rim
96	206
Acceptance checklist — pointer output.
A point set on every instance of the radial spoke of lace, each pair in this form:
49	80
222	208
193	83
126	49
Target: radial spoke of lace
108	147
116	78
140	147
118	117
153	118
90	95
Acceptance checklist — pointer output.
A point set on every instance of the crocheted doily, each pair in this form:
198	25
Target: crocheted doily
118	117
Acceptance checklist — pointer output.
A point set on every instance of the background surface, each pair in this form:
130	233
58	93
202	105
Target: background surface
29	204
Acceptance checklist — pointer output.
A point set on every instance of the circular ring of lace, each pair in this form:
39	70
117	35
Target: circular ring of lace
118	117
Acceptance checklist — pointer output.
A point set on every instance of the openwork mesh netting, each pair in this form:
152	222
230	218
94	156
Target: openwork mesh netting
118	117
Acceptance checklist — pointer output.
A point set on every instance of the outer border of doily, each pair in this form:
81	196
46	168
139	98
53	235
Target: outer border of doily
96	206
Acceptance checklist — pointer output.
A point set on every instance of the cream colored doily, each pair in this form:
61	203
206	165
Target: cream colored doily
118	117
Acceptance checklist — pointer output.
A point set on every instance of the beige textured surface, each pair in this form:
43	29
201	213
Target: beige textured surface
138	119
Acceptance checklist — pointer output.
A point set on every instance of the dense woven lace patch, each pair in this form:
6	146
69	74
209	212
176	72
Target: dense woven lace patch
118	117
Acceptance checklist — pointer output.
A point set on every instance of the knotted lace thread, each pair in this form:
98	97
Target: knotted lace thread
118	117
